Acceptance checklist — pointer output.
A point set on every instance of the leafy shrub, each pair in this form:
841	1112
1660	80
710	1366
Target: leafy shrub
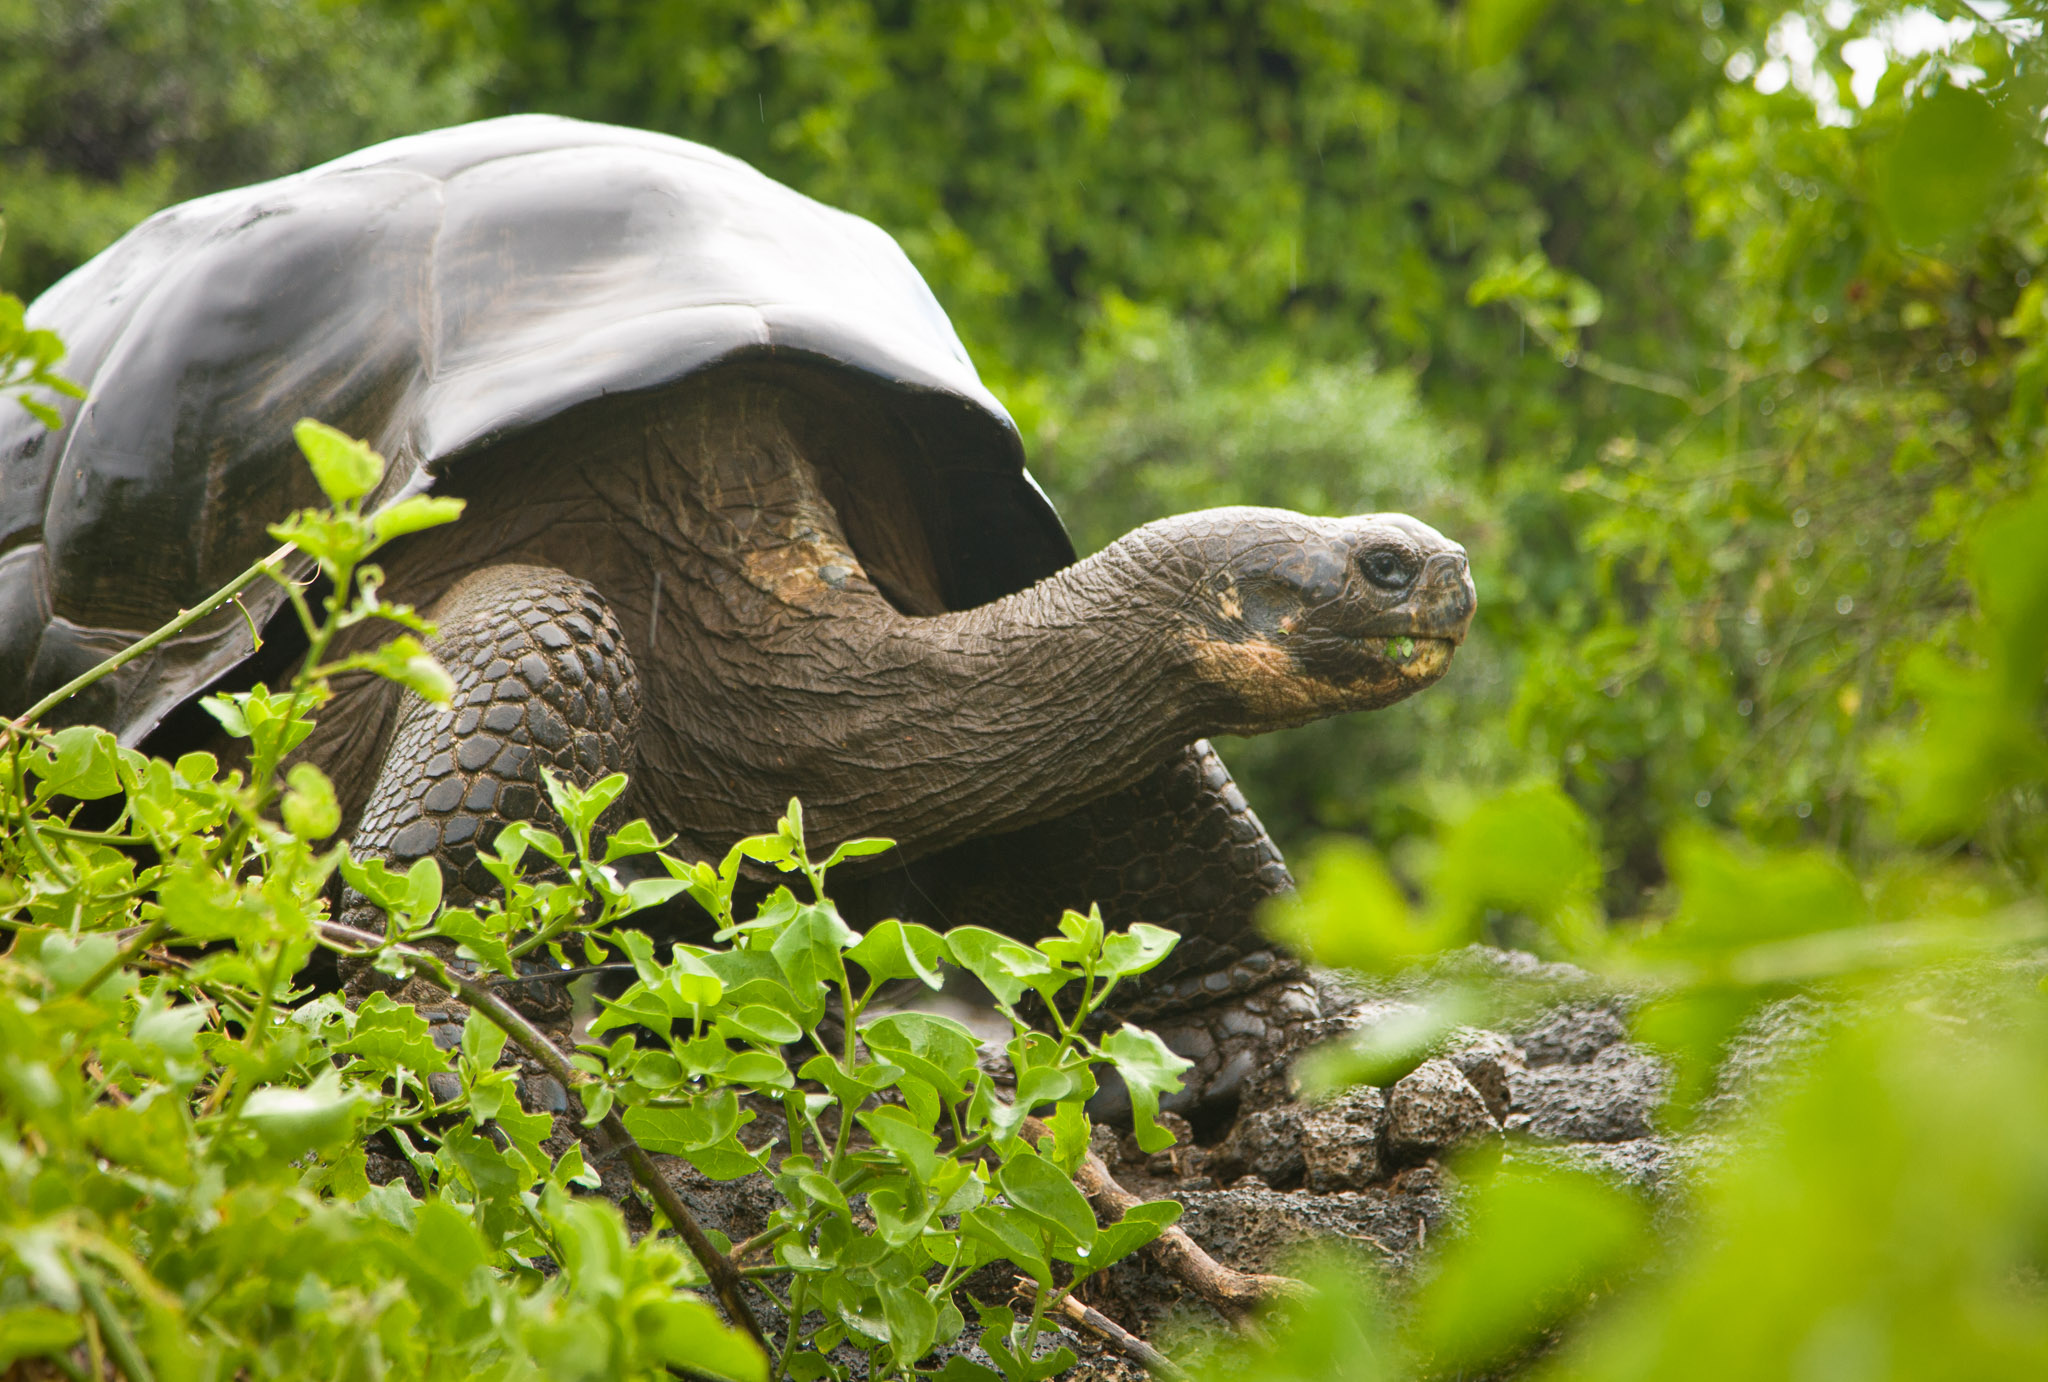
184	1127
1876	1203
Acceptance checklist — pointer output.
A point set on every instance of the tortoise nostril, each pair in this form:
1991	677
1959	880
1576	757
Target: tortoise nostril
1449	566
1447	579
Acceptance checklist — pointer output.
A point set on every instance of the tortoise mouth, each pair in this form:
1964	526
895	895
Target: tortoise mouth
1420	658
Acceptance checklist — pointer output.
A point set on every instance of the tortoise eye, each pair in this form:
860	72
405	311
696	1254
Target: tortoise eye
1388	570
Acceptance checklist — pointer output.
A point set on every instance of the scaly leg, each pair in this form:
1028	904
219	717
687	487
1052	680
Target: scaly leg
542	679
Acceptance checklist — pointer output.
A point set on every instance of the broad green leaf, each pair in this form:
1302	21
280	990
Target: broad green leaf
581	806
67	963
79	761
895	950
1730	895
643	893
1141	1224
34	1331
309	808
758	1022
687	1334
346	469
411	515
681	1131
855	849
1534	1247
389	1035
633	1008
635	837
913	1322
855	1088
1127	953
997	1232
935	1049
292	1122
1043	1190
809	948
892	1128
758	1070
1527	850
1149	1070
475	939
1349	912
483	1041
975	949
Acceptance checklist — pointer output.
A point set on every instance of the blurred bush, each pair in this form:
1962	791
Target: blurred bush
1706	326
110	109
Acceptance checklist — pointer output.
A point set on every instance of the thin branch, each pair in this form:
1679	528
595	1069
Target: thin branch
1628	376
725	1278
1232	1292
185	620
1107	1330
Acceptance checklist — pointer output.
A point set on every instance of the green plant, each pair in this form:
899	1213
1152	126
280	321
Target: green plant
28	359
184	1128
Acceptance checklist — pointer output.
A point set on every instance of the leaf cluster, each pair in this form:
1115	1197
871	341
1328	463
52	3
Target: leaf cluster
186	1128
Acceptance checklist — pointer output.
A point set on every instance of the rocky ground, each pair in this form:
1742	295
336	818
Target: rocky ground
1370	1169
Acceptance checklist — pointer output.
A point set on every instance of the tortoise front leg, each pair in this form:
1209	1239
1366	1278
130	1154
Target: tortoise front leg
542	680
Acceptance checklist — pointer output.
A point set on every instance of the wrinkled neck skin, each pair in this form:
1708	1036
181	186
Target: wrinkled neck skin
930	729
773	665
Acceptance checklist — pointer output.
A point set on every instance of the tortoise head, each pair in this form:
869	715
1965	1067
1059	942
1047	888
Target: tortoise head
1292	618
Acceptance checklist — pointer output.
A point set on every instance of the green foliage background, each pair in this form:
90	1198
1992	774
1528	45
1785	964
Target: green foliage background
1707	378
1725	352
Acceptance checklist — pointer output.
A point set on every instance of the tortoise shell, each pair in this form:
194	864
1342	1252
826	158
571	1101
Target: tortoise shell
439	294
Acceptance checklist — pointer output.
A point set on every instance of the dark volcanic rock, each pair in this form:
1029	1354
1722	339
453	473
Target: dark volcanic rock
1571	1036
1434	1108
1489	1061
1343	1141
1257	1229
1647	1163
1611	1098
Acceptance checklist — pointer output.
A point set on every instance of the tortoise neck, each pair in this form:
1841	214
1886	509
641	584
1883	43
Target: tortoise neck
929	730
1021	709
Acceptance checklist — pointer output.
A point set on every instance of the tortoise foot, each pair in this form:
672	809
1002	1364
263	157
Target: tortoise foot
1244	1032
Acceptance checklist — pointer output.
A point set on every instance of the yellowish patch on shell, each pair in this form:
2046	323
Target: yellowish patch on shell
792	571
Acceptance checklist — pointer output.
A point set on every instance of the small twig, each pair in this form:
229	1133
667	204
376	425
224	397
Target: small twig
1107	1330
1235	1294
725	1278
185	620
507	981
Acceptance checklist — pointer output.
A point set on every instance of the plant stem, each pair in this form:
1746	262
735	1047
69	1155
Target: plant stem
119	1342
142	941
1108	1330
185	620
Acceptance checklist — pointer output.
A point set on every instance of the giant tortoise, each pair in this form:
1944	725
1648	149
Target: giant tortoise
742	521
